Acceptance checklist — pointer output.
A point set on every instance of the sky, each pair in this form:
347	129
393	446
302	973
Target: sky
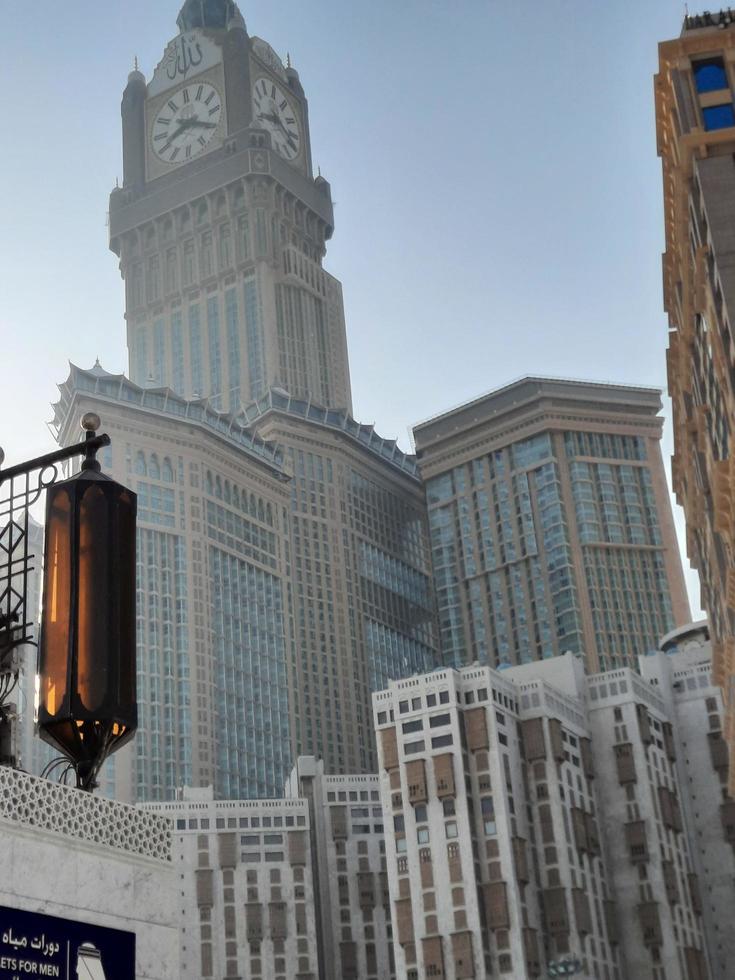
498	205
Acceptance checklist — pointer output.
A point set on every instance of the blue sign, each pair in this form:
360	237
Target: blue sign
34	946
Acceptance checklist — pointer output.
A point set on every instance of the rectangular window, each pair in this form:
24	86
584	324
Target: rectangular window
233	349
195	348
410	748
412	726
710	75
177	353
436	721
718	116
215	356
440	741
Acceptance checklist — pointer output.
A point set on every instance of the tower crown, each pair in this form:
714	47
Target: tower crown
212	14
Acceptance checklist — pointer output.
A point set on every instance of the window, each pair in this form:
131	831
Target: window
437	720
430	700
419	813
488	814
710	75
382	718
718	116
399	824
439	741
410	748
443	697
412	726
451	830
403	707
422	835
448	807
415	704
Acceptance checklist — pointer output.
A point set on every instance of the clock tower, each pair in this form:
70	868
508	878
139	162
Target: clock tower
221	227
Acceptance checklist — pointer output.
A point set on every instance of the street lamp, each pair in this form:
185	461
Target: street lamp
86	660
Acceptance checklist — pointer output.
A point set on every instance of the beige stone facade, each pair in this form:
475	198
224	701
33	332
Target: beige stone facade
550	524
213	627
695	131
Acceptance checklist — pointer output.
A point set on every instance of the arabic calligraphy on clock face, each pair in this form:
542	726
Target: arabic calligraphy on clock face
186	122
187	55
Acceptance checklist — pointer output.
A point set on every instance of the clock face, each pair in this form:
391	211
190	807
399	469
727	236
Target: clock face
186	122
273	111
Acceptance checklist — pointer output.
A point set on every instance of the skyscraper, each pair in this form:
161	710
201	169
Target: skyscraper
550	523
280	581
695	127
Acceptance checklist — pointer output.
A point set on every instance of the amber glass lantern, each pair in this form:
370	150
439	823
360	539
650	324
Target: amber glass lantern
87	700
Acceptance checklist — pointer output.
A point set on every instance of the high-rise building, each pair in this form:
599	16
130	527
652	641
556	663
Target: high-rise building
221	227
695	127
308	871
537	816
280	582
550	524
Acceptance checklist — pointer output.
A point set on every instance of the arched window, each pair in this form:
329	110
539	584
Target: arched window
236	497
210	483
154	470
269	514
228	492
253	510
218	488
140	467
167	470
261	511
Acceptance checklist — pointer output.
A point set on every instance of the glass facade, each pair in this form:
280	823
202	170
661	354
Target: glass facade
514	552
163	744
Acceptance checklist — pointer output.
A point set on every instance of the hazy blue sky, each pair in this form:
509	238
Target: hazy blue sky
498	199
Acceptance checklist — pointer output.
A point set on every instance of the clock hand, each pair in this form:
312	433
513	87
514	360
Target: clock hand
183	125
204	125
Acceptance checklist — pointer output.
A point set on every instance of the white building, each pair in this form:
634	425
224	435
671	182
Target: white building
536	816
308	871
245	878
349	872
74	866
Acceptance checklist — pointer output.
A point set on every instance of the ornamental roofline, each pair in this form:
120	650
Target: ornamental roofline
121	391
278	401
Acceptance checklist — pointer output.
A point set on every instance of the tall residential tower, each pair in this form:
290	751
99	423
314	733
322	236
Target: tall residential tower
550	523
695	129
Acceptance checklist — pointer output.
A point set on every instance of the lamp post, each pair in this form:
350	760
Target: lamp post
86	660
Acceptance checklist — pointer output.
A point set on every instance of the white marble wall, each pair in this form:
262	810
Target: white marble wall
65	875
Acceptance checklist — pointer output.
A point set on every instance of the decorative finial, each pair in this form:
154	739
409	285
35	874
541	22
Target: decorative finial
288	59
90	422
135	63
318	170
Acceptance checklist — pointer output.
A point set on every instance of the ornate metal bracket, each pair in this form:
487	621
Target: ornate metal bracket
20	488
